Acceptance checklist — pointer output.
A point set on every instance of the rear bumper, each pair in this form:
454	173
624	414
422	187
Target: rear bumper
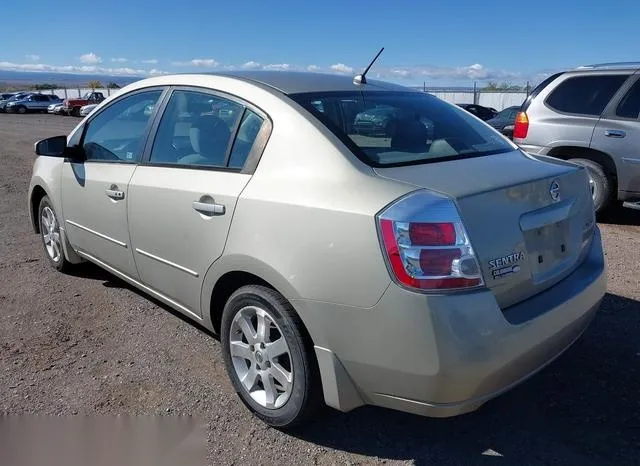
447	355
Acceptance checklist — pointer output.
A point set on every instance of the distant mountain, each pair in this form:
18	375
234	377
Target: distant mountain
26	78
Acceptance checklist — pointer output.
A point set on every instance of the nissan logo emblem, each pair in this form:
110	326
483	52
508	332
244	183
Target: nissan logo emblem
554	190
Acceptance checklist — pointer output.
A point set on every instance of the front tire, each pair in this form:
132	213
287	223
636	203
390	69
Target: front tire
601	185
51	237
269	358
21	110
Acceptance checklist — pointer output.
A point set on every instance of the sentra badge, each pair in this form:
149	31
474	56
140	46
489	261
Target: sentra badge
506	265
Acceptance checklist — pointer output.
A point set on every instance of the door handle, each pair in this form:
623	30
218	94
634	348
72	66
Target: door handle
614	133
209	208
114	193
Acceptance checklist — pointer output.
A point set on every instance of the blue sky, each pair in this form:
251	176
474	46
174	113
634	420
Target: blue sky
440	42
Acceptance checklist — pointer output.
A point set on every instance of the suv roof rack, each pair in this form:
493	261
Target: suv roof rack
611	66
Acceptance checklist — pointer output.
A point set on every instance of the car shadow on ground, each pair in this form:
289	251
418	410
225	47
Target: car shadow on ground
88	270
620	216
582	409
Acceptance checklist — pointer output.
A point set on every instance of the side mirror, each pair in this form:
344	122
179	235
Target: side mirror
52	147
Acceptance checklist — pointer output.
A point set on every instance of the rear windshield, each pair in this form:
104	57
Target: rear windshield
402	128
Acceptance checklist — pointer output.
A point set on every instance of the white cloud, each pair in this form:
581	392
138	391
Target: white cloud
342	68
200	62
41	67
313	68
251	65
119	60
401	73
90	58
277	67
152	61
205	62
156	72
33	57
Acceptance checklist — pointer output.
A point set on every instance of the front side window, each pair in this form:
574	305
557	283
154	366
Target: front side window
196	129
585	95
402	128
629	106
118	131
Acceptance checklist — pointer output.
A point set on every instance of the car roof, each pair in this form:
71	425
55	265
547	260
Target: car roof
297	82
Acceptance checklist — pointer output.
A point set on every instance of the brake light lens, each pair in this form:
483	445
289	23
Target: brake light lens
426	245
521	127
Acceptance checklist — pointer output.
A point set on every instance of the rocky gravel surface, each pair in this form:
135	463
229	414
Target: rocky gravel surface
89	344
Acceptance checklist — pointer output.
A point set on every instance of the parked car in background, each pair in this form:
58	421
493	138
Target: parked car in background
589	116
6	95
11	98
72	106
484	113
32	103
504	120
55	108
423	275
86	109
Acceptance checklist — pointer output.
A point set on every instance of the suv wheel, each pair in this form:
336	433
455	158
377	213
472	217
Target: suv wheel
21	109
270	362
601	185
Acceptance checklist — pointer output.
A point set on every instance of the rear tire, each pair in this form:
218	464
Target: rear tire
256	372
601	184
75	112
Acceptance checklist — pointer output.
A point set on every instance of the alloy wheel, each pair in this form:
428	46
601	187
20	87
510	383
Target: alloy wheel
51	234
261	357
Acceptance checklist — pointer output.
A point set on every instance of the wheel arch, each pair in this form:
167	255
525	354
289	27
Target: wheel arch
605	160
37	193
228	274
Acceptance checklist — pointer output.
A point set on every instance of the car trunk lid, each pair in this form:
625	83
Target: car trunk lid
530	219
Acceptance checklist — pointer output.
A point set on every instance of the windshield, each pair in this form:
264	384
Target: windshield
86	96
402	128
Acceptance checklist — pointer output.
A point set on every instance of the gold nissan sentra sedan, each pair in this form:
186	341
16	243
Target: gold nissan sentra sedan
351	241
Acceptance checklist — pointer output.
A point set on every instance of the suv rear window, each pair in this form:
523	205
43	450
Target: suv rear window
402	128
585	95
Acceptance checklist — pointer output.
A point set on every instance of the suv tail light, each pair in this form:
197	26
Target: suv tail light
426	245
521	127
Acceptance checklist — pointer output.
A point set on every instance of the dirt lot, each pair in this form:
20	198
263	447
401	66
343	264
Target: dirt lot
89	344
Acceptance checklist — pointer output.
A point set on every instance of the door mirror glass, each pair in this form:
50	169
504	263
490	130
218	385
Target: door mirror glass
52	147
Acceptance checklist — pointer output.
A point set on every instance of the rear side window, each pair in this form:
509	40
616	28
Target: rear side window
585	95
402	128
629	106
196	130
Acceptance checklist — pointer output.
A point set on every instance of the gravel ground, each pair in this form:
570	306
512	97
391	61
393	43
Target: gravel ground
89	344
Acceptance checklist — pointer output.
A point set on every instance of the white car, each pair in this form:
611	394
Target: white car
84	111
54	108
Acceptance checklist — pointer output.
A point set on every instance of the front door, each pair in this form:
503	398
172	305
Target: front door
95	192
182	200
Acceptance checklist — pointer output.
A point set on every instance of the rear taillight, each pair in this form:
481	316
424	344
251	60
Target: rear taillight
521	127
426	244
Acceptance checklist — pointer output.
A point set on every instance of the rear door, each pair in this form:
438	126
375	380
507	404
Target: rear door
95	191
182	198
618	134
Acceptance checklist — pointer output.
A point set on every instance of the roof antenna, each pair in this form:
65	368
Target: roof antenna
361	79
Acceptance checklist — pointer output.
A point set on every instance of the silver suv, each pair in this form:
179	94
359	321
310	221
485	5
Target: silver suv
589	116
